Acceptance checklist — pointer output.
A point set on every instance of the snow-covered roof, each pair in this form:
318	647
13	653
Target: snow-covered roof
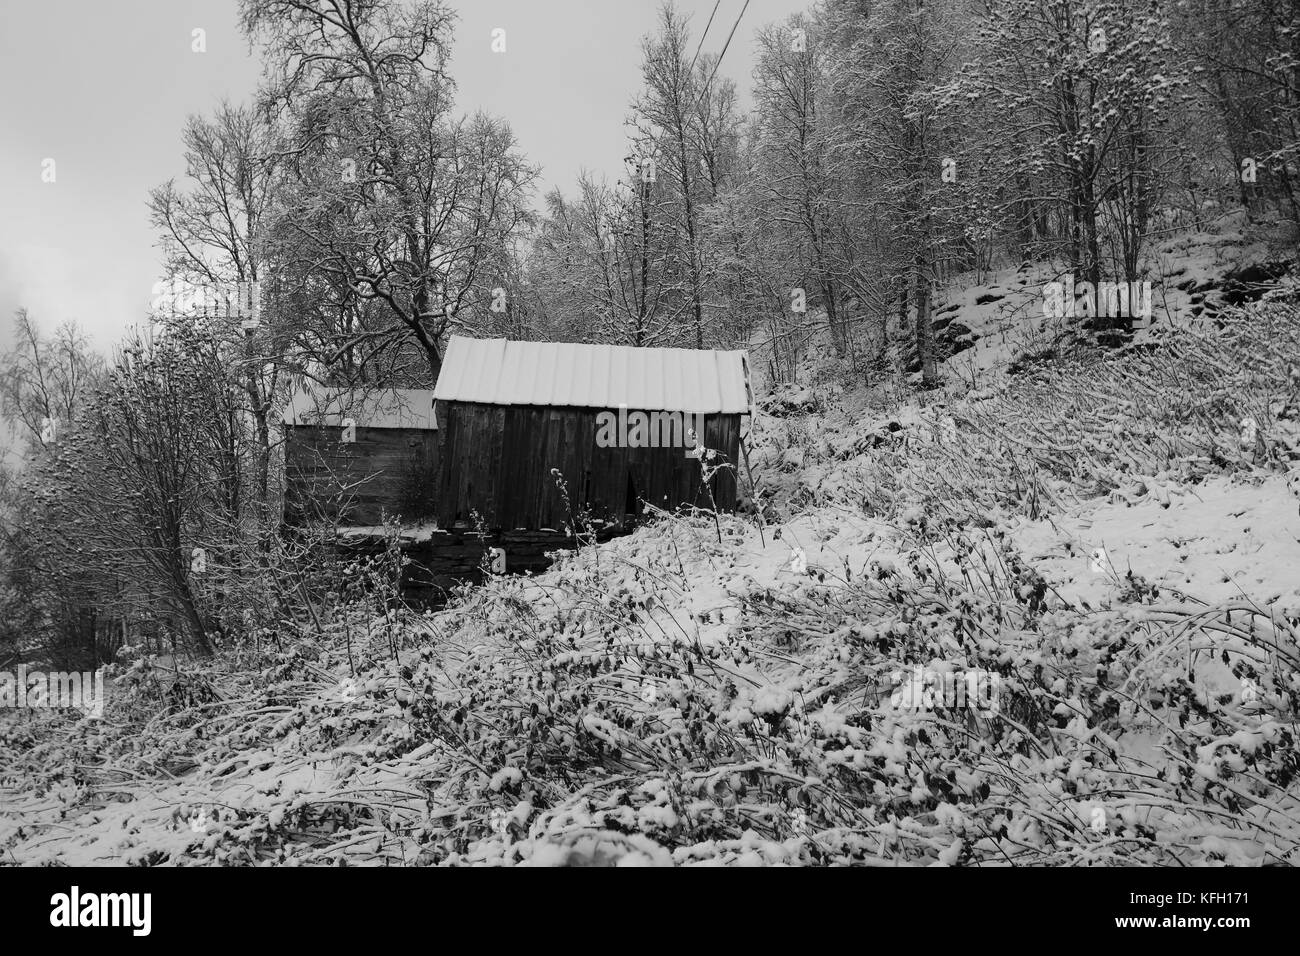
314	404
559	374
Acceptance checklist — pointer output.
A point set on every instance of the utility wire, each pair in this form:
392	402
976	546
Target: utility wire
716	4
709	82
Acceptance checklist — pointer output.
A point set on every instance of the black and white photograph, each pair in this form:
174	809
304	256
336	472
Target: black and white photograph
651	433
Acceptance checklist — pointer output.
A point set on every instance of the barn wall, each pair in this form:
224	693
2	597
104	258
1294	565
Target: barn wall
497	460
392	469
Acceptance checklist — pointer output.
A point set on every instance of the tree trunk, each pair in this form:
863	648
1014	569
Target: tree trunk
924	329
184	599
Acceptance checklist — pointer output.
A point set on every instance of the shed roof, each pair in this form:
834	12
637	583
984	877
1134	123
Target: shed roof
314	404
559	374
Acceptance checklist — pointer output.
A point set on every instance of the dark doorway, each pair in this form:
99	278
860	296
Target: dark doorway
632	506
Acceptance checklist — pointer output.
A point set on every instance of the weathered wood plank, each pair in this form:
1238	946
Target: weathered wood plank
498	460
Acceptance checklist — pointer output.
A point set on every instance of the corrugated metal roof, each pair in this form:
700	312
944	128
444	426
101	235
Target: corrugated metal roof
314	404
502	372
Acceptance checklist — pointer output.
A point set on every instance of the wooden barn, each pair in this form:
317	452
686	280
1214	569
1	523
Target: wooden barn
354	456
615	421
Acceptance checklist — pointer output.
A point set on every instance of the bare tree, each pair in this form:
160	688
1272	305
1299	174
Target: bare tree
392	210
214	236
149	473
669	122
44	381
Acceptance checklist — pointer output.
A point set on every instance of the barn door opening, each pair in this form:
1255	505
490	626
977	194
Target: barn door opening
632	504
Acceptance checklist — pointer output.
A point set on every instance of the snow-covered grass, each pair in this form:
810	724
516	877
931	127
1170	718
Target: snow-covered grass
1098	541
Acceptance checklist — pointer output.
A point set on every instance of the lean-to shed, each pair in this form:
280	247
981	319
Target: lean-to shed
355	455
615	421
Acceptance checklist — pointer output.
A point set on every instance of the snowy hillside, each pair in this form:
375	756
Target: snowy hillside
1096	549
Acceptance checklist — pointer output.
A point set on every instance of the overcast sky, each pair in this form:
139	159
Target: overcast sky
103	89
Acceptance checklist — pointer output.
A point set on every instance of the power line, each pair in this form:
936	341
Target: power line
709	82
692	69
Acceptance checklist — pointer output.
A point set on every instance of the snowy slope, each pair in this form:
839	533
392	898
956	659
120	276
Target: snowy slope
1125	572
